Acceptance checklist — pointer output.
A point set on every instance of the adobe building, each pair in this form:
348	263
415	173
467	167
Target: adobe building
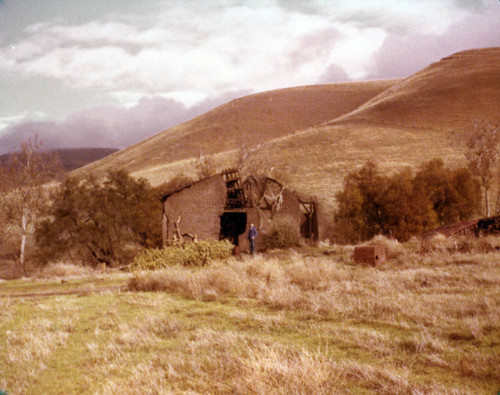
223	207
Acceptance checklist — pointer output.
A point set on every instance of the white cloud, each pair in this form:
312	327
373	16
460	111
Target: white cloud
403	55
8	121
182	50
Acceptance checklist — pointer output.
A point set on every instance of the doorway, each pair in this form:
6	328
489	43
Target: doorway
232	225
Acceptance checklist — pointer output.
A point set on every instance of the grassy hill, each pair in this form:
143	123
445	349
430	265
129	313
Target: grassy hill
406	125
316	134
75	158
247	121
446	94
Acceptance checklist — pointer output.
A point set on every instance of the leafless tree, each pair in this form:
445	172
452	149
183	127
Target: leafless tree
481	150
205	166
23	196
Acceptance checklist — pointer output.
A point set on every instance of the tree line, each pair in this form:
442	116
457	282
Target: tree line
404	204
110	218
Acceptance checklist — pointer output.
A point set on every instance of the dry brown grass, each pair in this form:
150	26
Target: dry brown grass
295	323
459	244
63	270
33	345
402	292
223	362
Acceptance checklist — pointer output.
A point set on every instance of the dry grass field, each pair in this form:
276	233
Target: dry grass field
428	322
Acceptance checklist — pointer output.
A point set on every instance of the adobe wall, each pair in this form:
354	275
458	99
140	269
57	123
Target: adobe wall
262	190
199	207
261	216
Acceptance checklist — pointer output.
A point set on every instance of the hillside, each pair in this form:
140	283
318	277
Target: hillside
75	158
315	135
246	122
446	94
406	125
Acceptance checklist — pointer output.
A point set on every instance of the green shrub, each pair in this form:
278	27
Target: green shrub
197	253
283	233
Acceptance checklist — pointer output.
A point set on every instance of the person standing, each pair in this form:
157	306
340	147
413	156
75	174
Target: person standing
252	234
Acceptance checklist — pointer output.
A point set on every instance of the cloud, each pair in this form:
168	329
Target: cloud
191	47
108	126
403	55
334	74
190	50
180	50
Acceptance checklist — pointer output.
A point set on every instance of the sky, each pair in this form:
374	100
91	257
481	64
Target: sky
109	73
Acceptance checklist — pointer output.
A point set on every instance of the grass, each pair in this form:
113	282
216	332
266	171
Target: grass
310	322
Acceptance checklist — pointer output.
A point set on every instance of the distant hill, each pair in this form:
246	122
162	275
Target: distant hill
74	158
446	94
247	121
317	134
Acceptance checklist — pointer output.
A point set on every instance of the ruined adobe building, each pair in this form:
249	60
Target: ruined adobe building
223	207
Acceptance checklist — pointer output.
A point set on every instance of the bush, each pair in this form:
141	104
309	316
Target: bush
283	233
197	253
100	220
403	205
393	248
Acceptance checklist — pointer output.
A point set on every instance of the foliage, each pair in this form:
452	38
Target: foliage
283	233
481	141
455	195
23	194
403	205
176	183
205	166
100	221
196	253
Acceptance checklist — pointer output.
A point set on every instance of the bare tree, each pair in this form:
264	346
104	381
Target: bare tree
23	196
481	150
205	166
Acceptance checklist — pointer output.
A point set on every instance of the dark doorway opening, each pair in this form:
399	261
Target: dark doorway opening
309	227
232	225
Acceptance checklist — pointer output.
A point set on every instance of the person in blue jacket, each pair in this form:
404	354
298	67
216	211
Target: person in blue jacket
252	234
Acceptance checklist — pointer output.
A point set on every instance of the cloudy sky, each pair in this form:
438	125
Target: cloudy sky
109	73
